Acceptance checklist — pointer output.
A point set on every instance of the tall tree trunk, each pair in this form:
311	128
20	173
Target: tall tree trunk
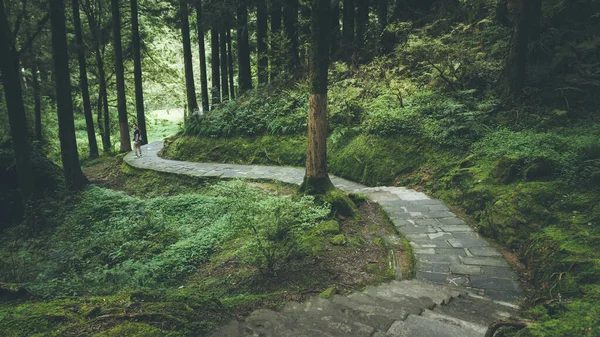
385	40
74	178
335	29
516	67
245	74
103	95
215	64
120	76
290	23
362	18
275	31
37	98
83	81
223	52
305	16
316	179
261	42
137	71
348	29
190	87
203	73
230	63
9	64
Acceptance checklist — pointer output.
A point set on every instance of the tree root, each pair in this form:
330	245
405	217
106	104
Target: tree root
493	328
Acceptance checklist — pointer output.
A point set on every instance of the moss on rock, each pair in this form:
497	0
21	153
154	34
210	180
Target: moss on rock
329	227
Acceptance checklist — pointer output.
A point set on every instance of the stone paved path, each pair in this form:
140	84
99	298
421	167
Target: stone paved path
462	285
447	250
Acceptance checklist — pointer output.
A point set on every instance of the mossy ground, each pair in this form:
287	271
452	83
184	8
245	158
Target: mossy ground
224	287
550	223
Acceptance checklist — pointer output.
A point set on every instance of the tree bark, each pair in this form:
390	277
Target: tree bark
9	65
83	81
290	23
362	18
37	98
348	29
261	42
230	63
516	67
223	52
190	87
215	64
120	76
137	71
275	30
316	179
74	178
245	73
203	72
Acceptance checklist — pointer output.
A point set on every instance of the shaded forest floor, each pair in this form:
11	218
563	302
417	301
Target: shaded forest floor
102	272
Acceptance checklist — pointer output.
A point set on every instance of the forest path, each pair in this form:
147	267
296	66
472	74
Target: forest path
449	254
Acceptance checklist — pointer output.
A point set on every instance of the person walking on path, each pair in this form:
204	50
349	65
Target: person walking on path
137	139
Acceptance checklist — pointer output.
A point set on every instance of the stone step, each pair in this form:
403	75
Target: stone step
420	326
268	323
455	321
477	310
332	319
438	294
381	307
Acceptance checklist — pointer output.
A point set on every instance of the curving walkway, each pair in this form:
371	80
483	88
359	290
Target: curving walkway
448	252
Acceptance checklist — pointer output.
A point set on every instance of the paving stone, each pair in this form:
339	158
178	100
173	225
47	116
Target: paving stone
437	258
484	261
452	221
453	251
440	236
499	272
440	268
402	222
416	236
432	277
506	296
418	229
466	235
456	228
468	243
437	214
405	215
465	269
427	202
488	283
429	243
458	280
438	208
484	251
427	222
426	251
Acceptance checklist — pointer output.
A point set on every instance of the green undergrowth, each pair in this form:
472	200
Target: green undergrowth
148	260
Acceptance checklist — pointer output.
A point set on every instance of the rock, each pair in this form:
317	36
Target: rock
327	293
329	227
338	240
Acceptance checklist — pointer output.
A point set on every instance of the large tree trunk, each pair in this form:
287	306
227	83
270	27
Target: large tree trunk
524	32
230	64
103	122
335	29
74	178
316	179
203	72
245	74
215	64
348	29
223	52
261	42
190	87
9	65
290	23
362	18
37	98
137	71
275	30
83	81
120	76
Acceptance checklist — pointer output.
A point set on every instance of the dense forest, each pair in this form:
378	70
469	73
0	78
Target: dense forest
491	106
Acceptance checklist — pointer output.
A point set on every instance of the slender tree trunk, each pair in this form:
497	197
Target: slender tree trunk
190	87
336	35
9	65
230	64
275	31
103	95
223	52
37	98
215	64
74	178
290	23
305	14
203	73
516	67
348	29
83	81
137	71
261	42
362	18
245	74
316	179
120	75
